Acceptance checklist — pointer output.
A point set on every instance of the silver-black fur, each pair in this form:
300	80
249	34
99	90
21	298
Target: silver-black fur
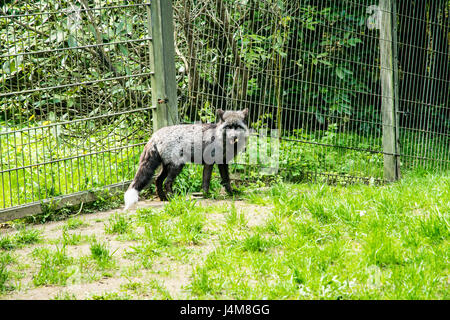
174	146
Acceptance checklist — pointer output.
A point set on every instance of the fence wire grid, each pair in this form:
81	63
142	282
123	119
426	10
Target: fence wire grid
311	69
76	96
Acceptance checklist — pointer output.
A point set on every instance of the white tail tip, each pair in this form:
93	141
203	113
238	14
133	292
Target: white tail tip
131	197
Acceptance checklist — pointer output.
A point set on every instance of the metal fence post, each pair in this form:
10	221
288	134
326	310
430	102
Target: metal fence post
388	90
164	86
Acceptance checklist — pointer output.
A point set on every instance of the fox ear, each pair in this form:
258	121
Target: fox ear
245	112
220	113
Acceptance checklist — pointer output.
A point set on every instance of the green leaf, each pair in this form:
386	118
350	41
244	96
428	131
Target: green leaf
326	62
340	73
320	118
120	27
123	49
72	41
347	71
6	67
354	41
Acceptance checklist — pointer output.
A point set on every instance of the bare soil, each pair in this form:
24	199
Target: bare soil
167	277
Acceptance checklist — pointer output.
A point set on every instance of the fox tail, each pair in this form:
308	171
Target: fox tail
149	161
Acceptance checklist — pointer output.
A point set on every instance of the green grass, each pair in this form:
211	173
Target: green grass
54	266
6	260
20	239
64	296
71	238
118	224
335	242
180	222
255	243
190	227
155	289
110	296
74	223
101	254
315	241
4	273
234	218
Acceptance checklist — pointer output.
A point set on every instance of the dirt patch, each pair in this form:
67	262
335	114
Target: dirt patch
167	276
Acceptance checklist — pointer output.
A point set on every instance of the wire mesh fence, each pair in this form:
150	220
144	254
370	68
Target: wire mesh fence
76	96
311	69
424	106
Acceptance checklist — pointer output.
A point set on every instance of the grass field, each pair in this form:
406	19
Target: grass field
283	241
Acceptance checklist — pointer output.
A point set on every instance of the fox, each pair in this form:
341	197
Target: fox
172	147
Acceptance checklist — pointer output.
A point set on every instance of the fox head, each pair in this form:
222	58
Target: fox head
232	126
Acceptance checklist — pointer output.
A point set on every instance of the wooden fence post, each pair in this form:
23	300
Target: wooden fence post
164	86
389	105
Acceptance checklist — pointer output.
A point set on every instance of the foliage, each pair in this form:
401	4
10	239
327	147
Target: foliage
5	274
309	63
263	37
60	57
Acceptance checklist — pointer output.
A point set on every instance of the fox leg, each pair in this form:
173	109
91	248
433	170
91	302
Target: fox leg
225	176
207	172
174	171
159	183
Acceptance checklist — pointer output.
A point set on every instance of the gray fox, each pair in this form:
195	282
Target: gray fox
203	143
